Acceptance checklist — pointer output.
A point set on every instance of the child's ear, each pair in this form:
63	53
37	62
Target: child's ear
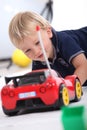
49	31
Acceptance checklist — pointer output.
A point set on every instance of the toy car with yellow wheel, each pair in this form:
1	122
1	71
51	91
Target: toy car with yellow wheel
38	89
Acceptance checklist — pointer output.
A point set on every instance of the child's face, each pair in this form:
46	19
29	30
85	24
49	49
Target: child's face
32	48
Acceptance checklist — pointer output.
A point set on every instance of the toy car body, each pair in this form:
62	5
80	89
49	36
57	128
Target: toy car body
38	89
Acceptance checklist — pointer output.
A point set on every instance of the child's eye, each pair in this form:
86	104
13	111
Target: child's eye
37	43
28	50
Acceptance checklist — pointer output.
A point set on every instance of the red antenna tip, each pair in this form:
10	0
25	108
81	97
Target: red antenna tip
37	28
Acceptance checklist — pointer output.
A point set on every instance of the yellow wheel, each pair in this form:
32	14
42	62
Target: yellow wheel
78	90
64	96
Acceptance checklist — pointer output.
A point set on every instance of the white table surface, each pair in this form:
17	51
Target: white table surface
50	120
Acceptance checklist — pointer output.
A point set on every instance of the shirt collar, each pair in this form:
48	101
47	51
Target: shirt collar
54	40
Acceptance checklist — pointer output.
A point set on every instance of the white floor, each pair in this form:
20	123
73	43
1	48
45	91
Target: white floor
50	120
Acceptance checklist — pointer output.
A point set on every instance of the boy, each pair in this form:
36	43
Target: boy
65	50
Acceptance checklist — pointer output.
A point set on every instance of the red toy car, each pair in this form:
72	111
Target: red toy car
38	89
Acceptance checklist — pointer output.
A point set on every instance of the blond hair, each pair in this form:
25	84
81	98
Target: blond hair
23	24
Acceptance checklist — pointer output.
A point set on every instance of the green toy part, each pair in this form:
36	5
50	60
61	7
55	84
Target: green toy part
74	118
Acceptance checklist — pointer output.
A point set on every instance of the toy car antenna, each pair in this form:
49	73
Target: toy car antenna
43	50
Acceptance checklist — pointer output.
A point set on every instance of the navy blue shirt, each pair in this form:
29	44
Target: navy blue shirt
67	44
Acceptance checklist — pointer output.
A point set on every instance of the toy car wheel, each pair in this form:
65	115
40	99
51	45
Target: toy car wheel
63	96
78	90
8	112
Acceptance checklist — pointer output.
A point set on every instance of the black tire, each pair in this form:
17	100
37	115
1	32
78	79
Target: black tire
63	96
78	90
9	112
